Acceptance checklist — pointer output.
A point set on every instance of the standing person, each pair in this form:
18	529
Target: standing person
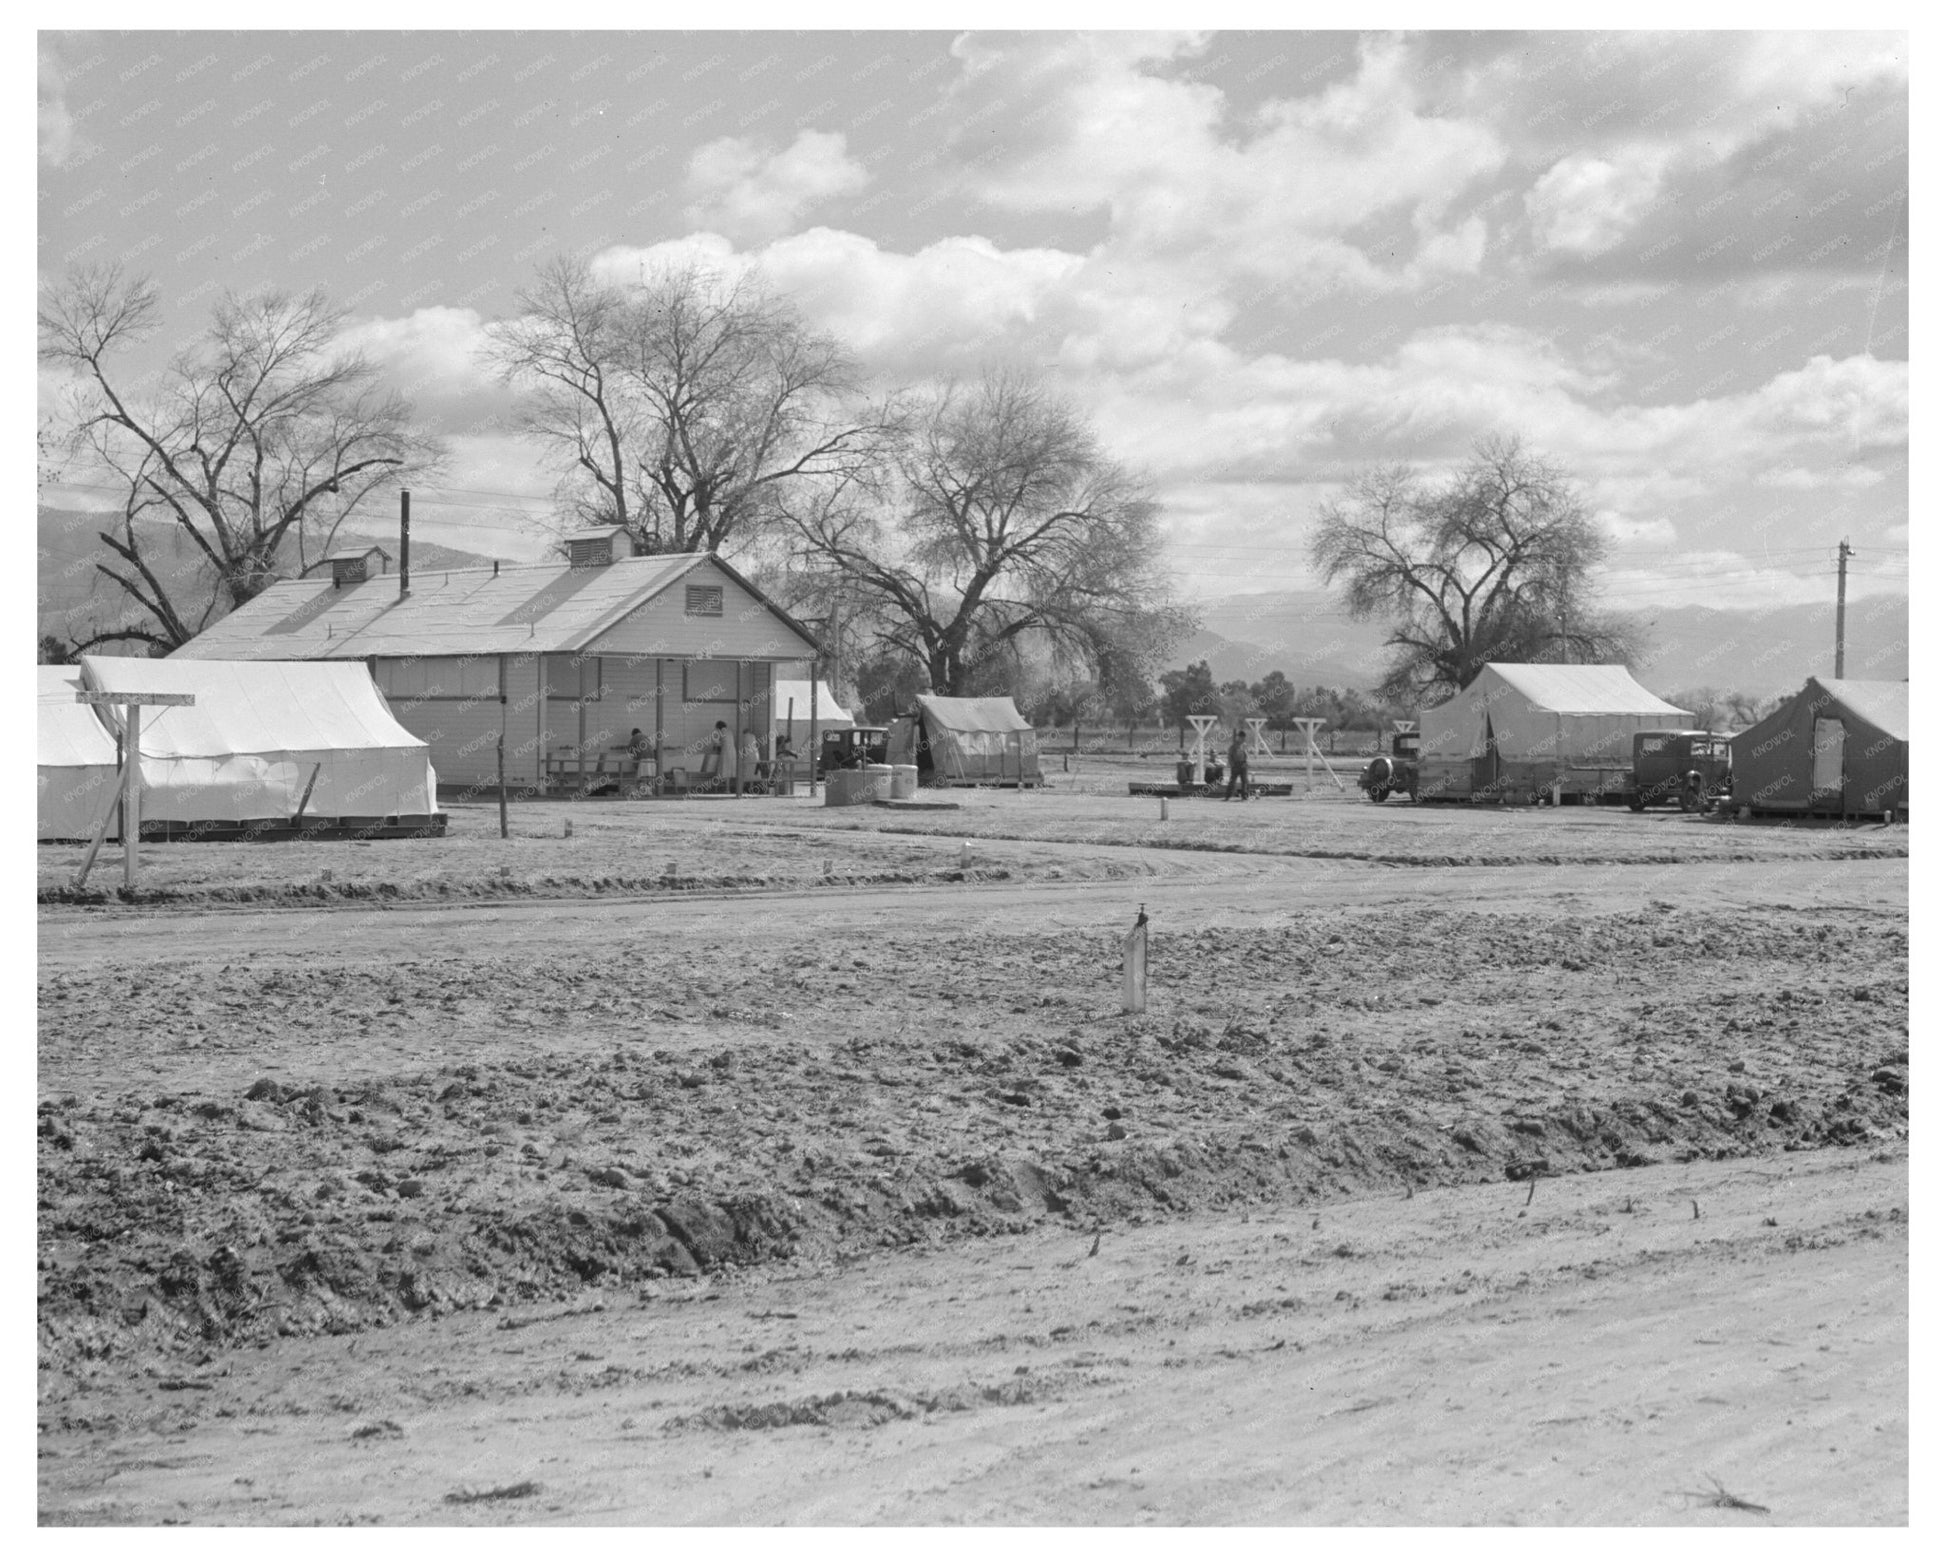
715	752
1239	758
749	759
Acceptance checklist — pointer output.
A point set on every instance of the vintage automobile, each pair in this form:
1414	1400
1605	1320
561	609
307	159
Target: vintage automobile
1397	774
856	747
1689	768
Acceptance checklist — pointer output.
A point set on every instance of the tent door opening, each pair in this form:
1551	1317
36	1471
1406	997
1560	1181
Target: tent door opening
1827	761
1486	768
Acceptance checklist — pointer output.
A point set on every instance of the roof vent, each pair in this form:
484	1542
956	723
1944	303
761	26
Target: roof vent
598	547
355	567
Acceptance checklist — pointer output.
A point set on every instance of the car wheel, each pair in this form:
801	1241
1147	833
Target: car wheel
1637	803
1376	794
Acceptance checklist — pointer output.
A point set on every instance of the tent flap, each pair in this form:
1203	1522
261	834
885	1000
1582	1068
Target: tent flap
260	732
75	756
792	700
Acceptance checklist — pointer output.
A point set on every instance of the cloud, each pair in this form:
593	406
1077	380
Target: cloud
1049	123
1585	204
433	357
961	301
1695	126
748	189
57	127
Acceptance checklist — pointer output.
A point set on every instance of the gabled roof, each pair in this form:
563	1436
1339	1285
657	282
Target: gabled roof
1583	689
551	608
1882	703
973	713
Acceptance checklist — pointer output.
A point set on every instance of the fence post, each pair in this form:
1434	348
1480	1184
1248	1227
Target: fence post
500	773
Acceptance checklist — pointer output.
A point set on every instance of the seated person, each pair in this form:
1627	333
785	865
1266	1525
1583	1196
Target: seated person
642	751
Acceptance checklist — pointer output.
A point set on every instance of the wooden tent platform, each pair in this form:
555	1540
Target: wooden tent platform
321	829
1206	791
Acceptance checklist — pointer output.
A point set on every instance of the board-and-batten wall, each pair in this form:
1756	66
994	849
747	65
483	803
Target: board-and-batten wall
462	728
712	665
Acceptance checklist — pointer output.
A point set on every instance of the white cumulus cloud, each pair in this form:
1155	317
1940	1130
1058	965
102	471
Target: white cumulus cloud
1585	204
749	189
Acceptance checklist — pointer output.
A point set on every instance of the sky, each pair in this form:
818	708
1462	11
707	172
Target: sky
1675	264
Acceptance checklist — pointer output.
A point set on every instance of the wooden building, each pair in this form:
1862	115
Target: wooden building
557	662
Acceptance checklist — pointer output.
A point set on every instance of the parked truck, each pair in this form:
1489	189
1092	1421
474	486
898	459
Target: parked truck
1397	774
1687	768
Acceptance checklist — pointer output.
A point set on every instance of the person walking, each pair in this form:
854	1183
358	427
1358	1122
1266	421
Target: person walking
1239	759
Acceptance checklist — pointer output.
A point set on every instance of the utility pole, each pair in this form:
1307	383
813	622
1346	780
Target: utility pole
1844	551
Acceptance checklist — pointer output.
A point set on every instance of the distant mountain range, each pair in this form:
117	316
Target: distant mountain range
73	599
1303	633
1306	635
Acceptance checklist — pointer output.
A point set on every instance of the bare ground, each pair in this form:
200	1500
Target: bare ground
389	1128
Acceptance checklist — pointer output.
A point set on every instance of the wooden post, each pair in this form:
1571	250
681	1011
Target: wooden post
790	740
130	788
304	799
1135	964
737	734
500	772
655	759
581	724
132	810
101	832
1199	758
811	787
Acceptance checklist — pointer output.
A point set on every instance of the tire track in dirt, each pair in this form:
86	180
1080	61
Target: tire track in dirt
1593	1357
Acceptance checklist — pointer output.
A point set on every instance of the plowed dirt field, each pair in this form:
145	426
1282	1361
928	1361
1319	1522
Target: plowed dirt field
314	1228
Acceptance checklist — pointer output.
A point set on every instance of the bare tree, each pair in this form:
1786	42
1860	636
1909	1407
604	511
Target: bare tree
1000	521
250	430
1491	564
683	405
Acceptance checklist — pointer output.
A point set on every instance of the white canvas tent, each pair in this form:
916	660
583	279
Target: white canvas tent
261	733
1528	727
790	711
966	740
75	756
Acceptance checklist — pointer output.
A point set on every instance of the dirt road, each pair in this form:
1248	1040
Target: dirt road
1621	1350
1186	890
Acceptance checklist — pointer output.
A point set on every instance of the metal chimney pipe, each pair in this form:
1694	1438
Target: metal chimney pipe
405	543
